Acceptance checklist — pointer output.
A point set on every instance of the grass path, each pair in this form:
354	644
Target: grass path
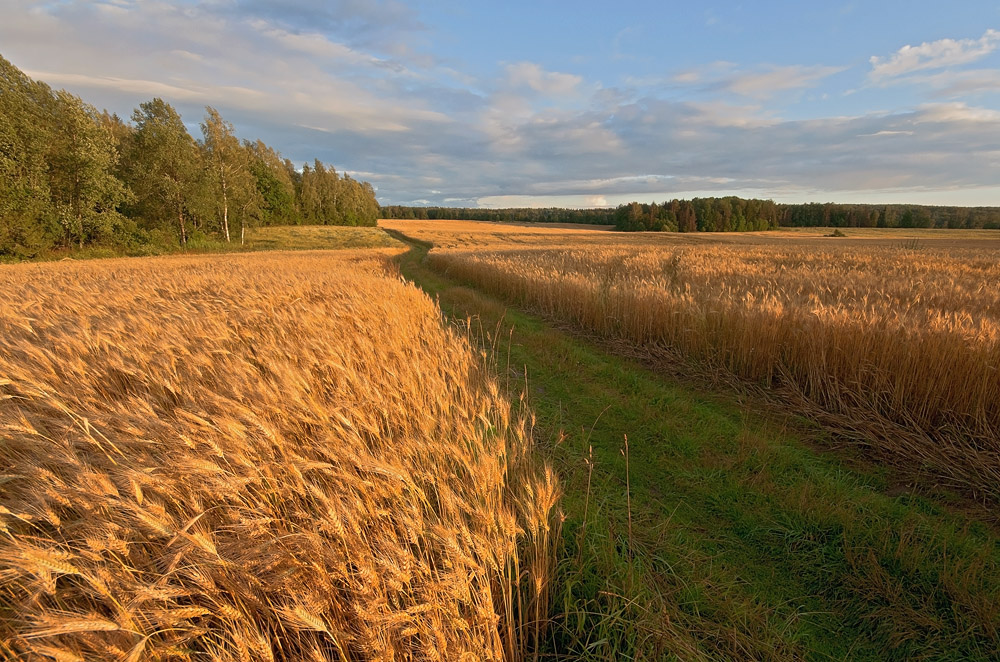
722	534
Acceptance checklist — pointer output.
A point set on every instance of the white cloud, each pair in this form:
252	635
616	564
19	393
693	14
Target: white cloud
951	84
765	84
541	201
531	75
131	85
319	46
426	133
958	112
760	82
933	55
885	133
201	55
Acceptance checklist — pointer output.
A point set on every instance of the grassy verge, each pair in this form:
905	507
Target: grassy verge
318	237
720	534
286	238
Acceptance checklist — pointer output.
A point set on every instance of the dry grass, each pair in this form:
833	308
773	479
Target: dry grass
472	234
893	343
258	457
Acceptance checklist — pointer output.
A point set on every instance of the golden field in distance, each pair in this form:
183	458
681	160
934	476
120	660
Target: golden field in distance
281	456
468	234
890	337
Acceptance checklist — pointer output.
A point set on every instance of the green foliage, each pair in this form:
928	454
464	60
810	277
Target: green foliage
25	133
598	216
326	198
732	214
889	216
164	168
729	214
71	176
85	192
275	183
228	169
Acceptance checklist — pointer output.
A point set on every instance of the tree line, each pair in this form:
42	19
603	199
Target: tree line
704	214
724	214
728	214
890	216
600	216
71	175
732	214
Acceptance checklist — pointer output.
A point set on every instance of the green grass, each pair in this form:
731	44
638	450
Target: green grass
276	238
745	542
318	237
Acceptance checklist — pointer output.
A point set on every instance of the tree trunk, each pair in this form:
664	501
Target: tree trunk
225	205
180	218
243	232
225	216
79	209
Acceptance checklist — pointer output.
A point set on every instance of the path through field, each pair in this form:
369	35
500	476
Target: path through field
723	533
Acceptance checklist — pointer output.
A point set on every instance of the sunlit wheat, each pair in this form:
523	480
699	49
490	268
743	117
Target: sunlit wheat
258	457
898	348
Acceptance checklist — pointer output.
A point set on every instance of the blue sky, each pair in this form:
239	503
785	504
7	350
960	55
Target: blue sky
550	103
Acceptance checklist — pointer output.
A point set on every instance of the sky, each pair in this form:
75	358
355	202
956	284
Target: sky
576	104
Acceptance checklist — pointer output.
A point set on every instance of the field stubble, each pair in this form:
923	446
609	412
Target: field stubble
258	457
895	346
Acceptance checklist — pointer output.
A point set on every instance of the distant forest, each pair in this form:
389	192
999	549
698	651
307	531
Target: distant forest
603	216
725	214
73	176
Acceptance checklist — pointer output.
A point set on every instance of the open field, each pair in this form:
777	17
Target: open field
446	235
278	456
968	237
472	234
897	346
288	456
722	534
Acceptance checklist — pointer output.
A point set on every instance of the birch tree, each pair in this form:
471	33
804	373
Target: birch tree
229	163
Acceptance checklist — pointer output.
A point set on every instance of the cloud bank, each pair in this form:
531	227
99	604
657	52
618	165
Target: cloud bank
360	85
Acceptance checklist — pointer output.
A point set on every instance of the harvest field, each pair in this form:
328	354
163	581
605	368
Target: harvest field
897	345
257	457
499	348
291	456
706	516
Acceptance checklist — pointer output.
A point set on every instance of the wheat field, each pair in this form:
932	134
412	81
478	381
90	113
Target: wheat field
893	344
259	457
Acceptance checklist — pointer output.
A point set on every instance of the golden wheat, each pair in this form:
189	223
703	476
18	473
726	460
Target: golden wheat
258	457
895	345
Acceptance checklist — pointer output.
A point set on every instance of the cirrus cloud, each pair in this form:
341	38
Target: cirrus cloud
933	55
